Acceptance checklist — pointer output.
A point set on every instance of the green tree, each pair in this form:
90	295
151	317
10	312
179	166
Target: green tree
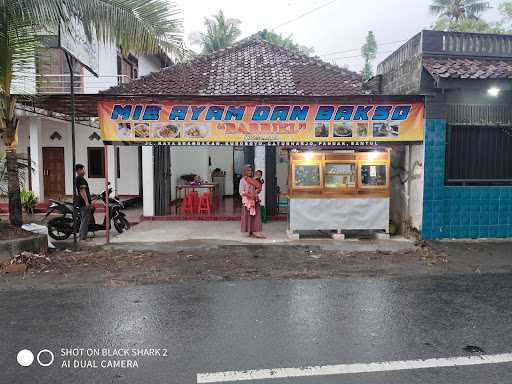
369	53
286	42
458	10
468	25
139	26
220	33
505	9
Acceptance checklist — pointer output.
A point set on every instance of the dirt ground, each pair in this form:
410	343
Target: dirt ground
10	232
118	266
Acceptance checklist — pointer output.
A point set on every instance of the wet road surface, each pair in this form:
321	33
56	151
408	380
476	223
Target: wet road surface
231	326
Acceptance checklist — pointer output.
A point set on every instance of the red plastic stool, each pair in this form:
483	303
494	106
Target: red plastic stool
205	205
195	200
188	205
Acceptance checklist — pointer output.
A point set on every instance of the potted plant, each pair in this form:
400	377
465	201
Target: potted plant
28	201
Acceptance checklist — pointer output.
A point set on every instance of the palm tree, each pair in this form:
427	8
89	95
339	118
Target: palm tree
220	33
458	10
138	26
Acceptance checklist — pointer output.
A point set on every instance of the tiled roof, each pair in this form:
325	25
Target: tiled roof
468	68
250	67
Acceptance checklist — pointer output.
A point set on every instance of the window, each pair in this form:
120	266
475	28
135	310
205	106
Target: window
53	72
479	155
96	162
127	68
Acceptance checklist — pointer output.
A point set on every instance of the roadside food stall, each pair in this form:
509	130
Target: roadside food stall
339	190
340	151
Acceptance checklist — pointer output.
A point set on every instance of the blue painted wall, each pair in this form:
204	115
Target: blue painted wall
459	212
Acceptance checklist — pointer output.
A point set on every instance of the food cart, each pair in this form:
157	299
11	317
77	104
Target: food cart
339	191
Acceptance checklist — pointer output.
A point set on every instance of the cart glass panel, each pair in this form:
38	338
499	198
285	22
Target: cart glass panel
340	175
307	175
374	175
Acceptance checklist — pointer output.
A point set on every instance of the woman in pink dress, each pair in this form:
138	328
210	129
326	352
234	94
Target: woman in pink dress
251	214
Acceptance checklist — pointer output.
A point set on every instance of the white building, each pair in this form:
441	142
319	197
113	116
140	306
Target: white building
46	140
252	71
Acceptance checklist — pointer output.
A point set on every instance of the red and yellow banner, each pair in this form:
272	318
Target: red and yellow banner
175	122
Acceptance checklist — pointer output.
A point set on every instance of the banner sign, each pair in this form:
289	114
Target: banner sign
250	123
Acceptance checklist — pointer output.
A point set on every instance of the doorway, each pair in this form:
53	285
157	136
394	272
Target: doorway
53	172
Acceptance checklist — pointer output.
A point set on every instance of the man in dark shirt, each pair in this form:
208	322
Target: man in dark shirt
83	201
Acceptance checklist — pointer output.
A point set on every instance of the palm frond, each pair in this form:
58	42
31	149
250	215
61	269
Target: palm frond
138	26
457	10
220	33
475	8
18	42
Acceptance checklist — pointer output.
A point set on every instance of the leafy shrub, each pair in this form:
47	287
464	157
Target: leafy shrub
28	201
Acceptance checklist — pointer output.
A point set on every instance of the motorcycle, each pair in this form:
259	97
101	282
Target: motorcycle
62	227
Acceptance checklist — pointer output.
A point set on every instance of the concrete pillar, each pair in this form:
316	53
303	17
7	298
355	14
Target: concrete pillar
36	155
112	169
148	182
259	164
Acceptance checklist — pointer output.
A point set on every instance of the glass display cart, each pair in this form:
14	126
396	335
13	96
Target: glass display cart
339	191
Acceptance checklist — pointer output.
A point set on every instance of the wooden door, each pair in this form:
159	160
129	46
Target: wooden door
53	171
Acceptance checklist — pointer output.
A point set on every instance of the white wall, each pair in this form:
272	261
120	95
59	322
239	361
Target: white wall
187	160
222	157
128	183
259	164
190	159
107	72
148	182
282	172
148	64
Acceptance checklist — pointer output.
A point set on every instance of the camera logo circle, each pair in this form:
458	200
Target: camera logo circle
46	352
25	358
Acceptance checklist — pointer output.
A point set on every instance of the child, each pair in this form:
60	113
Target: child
259	179
257	182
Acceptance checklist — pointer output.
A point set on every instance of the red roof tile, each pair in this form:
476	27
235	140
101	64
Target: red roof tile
250	67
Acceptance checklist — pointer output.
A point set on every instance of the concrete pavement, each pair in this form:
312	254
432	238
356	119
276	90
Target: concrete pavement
224	326
228	233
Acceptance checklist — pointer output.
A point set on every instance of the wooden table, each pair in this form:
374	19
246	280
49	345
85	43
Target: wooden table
187	188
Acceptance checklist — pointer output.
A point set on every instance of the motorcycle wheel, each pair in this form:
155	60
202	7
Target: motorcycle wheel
121	224
60	228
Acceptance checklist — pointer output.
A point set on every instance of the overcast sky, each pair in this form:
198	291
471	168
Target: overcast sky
336	31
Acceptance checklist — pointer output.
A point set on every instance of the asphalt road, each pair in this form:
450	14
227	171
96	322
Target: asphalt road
225	326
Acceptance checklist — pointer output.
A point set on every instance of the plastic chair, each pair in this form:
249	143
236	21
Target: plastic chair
205	204
188	205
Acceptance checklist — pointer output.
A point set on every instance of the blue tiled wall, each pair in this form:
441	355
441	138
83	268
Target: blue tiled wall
459	212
